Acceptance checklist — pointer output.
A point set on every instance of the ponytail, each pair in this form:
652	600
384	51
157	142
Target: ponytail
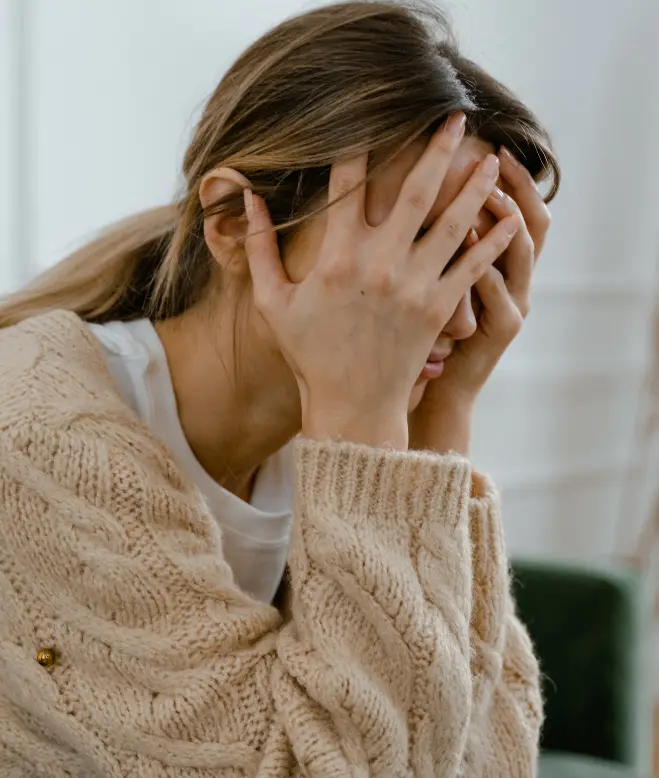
345	79
110	278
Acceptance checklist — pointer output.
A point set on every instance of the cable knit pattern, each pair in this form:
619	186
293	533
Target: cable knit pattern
402	656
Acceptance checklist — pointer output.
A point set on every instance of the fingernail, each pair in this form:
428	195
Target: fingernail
498	194
456	124
491	166
511	225
249	203
471	239
510	156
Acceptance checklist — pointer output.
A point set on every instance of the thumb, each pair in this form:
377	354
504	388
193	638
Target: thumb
266	268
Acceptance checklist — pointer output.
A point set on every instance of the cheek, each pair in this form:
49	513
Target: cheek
300	250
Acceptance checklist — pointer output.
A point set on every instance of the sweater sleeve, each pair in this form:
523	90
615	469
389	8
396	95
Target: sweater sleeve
507	709
374	674
164	668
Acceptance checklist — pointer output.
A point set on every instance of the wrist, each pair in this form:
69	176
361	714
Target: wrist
443	427
377	428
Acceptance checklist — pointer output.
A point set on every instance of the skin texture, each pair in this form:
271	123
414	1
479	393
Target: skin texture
239	401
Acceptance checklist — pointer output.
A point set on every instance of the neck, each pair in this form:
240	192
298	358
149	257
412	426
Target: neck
231	418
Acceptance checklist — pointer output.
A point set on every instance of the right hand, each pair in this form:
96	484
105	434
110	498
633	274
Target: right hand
357	330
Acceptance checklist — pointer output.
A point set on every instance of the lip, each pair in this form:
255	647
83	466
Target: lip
430	371
434	366
438	354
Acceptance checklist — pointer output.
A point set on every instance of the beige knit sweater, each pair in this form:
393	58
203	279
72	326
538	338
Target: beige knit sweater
402	655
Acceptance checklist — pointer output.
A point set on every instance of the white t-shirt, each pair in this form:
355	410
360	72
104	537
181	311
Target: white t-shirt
255	535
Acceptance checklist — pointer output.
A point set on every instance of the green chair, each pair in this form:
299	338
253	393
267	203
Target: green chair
587	627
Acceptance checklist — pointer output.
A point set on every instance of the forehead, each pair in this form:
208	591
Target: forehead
386	184
472	151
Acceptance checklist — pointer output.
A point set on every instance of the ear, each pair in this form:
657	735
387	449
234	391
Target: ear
222	233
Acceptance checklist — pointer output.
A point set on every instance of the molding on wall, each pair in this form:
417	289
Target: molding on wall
568	477
24	155
600	289
572	371
6	144
15	155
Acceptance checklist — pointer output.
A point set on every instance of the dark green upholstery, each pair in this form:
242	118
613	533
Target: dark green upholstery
585	623
572	766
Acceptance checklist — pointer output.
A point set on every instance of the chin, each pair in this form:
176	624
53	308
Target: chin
416	396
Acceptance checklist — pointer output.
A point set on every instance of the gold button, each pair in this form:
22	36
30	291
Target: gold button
46	657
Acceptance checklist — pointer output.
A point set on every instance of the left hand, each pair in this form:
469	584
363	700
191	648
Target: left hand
502	299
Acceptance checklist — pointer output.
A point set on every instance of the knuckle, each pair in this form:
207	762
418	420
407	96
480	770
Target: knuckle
446	145
481	268
263	299
527	177
478	268
498	281
528	245
381	280
417	197
501	242
436	316
545	218
454	230
512	206
343	185
413	301
484	184
513	322
336	269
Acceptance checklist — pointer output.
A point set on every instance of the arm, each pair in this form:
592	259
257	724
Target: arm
165	668
376	661
506	678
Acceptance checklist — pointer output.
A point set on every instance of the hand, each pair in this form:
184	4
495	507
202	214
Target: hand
357	330
443	418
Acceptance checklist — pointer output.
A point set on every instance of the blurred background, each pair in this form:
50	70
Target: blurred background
97	100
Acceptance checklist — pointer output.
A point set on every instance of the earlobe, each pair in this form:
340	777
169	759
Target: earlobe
223	233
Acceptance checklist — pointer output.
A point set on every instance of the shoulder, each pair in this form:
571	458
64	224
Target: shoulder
49	361
57	397
72	451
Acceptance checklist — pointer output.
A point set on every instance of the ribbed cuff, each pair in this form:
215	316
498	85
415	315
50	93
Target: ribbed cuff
492	602
361	483
487	536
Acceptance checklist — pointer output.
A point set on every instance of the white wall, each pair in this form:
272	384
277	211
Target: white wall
116	86
10	149
109	91
558	422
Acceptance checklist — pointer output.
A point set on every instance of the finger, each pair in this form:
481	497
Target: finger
471	239
346	193
476	305
504	317
517	263
423	182
266	268
525	193
448	232
470	268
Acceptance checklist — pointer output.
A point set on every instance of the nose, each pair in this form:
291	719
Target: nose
463	322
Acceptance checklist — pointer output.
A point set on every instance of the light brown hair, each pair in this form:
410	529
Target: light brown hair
329	84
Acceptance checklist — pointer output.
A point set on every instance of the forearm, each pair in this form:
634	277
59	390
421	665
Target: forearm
378	650
505	673
504	738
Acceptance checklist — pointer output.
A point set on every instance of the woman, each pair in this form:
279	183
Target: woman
152	383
